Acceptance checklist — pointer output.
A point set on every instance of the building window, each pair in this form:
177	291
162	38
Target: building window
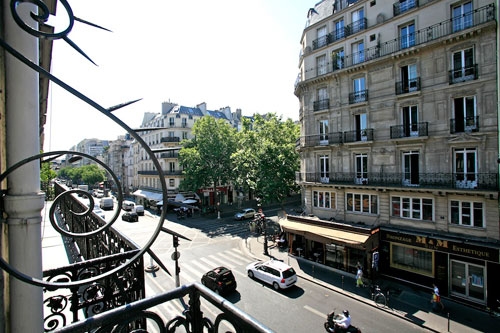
171	182
463	66
358	22
410	168
184	135
324	168
171	166
324	199
323	102
410	121
339	29
321	41
462	16
415	260
361	168
359	89
321	64
412	208
184	122
361	203
405	5
171	121
467	213
323	132
407	36
465	168
358	53
338	59
465	115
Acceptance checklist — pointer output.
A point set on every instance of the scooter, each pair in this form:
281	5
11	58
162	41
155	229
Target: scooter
332	328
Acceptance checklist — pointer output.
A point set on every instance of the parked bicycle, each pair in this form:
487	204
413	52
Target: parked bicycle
378	296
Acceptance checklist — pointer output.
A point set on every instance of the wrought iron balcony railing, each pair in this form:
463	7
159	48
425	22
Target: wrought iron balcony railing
439	180
404	87
322	104
320	140
170	139
355	27
358	136
170	154
463	74
403	6
132	317
358	96
465	125
427	35
410	130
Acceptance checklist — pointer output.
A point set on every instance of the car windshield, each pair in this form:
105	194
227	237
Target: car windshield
228	276
288	273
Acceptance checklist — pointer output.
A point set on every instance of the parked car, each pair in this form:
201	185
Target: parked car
246	213
130	217
139	209
220	279
106	203
98	211
128	205
273	272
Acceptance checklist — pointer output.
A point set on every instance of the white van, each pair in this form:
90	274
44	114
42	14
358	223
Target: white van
128	205
139	209
106	203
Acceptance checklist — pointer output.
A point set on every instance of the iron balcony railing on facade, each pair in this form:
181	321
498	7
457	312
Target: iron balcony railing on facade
403	6
432	33
465	125
154	172
409	130
320	140
170	139
358	136
408	86
322	104
439	180
463	74
170	154
355	27
358	96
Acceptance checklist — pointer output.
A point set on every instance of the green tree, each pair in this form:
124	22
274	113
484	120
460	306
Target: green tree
87	174
206	159
46	175
266	160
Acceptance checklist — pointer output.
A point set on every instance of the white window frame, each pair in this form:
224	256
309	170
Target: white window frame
462	16
324	168
323	132
321	64
324	199
411	208
407	35
467	211
366	203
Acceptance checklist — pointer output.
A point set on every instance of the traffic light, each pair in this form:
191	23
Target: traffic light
176	241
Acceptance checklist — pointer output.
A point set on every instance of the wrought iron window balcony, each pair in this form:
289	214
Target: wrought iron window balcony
355	27
358	96
403	6
463	74
320	42
359	136
170	154
410	130
322	104
404	87
170	139
442	180
465	125
320	140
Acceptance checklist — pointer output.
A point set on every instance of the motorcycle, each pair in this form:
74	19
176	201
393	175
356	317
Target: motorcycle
332	328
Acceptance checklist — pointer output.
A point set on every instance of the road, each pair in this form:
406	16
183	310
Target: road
214	242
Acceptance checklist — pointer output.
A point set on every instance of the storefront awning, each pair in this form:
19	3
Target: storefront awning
342	236
148	195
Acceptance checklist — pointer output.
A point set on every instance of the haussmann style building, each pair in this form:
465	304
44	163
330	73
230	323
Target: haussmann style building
399	143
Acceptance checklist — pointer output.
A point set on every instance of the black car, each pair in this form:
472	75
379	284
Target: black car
220	279
130	217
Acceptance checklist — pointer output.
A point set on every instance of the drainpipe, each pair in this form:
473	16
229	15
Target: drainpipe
24	201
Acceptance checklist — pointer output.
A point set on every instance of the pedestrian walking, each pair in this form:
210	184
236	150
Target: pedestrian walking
359	277
437	305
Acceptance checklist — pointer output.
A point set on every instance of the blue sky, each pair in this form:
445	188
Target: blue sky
241	54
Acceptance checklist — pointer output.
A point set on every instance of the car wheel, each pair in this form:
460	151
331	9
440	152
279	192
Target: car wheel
250	274
276	286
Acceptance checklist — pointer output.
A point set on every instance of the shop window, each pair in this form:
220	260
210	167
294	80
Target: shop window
362	203
467	213
322	199
412	208
415	260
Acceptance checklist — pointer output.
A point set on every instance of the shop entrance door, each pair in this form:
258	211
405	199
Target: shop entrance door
467	280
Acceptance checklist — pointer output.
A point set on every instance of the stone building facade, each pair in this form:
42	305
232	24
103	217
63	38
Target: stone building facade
399	135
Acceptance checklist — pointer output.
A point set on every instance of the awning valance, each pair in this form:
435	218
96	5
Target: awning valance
342	236
148	195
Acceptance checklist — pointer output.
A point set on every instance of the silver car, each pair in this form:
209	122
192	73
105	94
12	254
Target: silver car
246	213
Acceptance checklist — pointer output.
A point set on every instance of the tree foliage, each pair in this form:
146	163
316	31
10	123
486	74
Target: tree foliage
266	160
87	174
206	159
46	175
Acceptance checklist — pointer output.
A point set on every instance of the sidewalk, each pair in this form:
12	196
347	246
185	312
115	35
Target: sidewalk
404	301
